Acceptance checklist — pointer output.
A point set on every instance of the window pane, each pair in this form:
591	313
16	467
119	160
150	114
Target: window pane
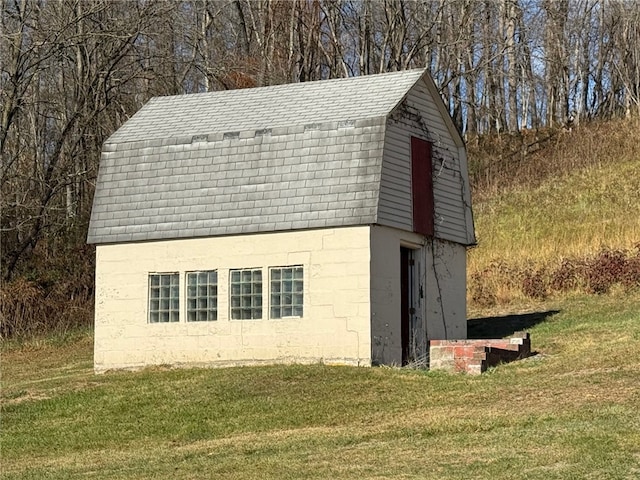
246	293
284	282
164	297
203	296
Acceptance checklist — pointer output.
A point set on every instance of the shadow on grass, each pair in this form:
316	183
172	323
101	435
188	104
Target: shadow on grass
499	327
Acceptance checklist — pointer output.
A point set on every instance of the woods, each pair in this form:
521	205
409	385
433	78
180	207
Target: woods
72	71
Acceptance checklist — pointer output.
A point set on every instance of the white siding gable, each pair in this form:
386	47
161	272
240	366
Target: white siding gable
420	115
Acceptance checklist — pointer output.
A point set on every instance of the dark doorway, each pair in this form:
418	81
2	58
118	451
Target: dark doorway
407	309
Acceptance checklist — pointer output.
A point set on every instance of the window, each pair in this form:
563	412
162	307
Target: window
246	294
164	297
287	285
202	296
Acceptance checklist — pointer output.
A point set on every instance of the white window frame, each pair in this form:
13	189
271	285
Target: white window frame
286	295
163	298
201	296
246	294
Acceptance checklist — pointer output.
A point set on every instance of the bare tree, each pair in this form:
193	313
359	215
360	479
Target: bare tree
72	71
68	62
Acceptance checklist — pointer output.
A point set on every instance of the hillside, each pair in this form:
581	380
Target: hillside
559	241
562	218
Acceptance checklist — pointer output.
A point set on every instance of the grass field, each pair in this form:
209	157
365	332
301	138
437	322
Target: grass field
570	412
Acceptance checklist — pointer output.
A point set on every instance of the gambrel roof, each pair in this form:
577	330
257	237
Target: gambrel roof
305	155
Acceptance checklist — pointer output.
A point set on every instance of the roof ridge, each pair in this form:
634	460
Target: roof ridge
350	98
355	78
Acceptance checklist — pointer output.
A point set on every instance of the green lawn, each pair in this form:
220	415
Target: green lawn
572	412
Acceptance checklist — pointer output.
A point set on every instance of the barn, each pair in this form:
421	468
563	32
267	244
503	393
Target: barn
323	221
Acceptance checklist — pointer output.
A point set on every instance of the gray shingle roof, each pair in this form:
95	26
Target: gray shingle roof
268	107
294	156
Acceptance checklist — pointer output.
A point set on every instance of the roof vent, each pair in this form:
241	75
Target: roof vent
231	135
262	132
199	138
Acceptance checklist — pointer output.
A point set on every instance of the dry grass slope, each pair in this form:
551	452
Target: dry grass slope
558	218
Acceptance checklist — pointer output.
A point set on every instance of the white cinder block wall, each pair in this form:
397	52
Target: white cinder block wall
335	327
439	291
446	287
